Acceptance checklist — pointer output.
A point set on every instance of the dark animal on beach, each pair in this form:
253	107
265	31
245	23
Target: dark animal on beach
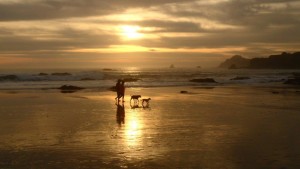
146	101
135	98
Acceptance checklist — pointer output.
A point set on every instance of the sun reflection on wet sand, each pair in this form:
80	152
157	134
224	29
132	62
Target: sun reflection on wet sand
133	129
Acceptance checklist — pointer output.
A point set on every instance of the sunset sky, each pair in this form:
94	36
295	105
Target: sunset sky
143	33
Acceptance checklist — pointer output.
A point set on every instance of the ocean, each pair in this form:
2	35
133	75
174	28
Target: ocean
164	77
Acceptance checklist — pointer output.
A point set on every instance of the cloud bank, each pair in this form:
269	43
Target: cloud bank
205	31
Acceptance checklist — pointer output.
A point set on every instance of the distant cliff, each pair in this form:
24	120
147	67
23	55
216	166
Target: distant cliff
235	62
282	61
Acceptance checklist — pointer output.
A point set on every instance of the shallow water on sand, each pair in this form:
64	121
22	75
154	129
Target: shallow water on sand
223	127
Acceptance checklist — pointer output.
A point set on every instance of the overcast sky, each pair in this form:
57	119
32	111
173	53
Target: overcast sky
143	33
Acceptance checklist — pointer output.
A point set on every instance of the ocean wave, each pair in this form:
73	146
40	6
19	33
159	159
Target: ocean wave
140	78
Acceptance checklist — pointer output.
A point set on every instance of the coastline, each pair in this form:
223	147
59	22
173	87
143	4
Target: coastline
208	127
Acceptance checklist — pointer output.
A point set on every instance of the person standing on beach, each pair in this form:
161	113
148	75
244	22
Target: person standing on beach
122	90
118	89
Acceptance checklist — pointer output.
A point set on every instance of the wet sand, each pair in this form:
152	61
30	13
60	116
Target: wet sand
206	128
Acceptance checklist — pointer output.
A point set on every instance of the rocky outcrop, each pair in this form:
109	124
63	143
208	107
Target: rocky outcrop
107	69
205	80
70	88
235	62
296	74
233	66
240	78
87	79
61	74
281	61
9	78
43	74
295	81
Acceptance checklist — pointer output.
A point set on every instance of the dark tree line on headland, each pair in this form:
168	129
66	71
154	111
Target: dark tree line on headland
281	61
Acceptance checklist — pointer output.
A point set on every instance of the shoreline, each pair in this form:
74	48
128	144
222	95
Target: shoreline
196	86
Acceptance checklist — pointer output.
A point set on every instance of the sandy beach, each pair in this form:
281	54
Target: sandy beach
205	128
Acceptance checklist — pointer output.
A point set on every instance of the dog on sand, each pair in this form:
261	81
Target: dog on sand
146	101
135	98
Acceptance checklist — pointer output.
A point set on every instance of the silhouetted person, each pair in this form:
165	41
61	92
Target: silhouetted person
122	90
120	114
118	89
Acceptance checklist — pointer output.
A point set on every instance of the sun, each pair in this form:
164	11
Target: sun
131	32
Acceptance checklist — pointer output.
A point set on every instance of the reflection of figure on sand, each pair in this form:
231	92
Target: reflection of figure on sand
120	114
146	106
120	88
135	105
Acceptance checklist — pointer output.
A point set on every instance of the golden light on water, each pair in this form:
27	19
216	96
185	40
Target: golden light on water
133	129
